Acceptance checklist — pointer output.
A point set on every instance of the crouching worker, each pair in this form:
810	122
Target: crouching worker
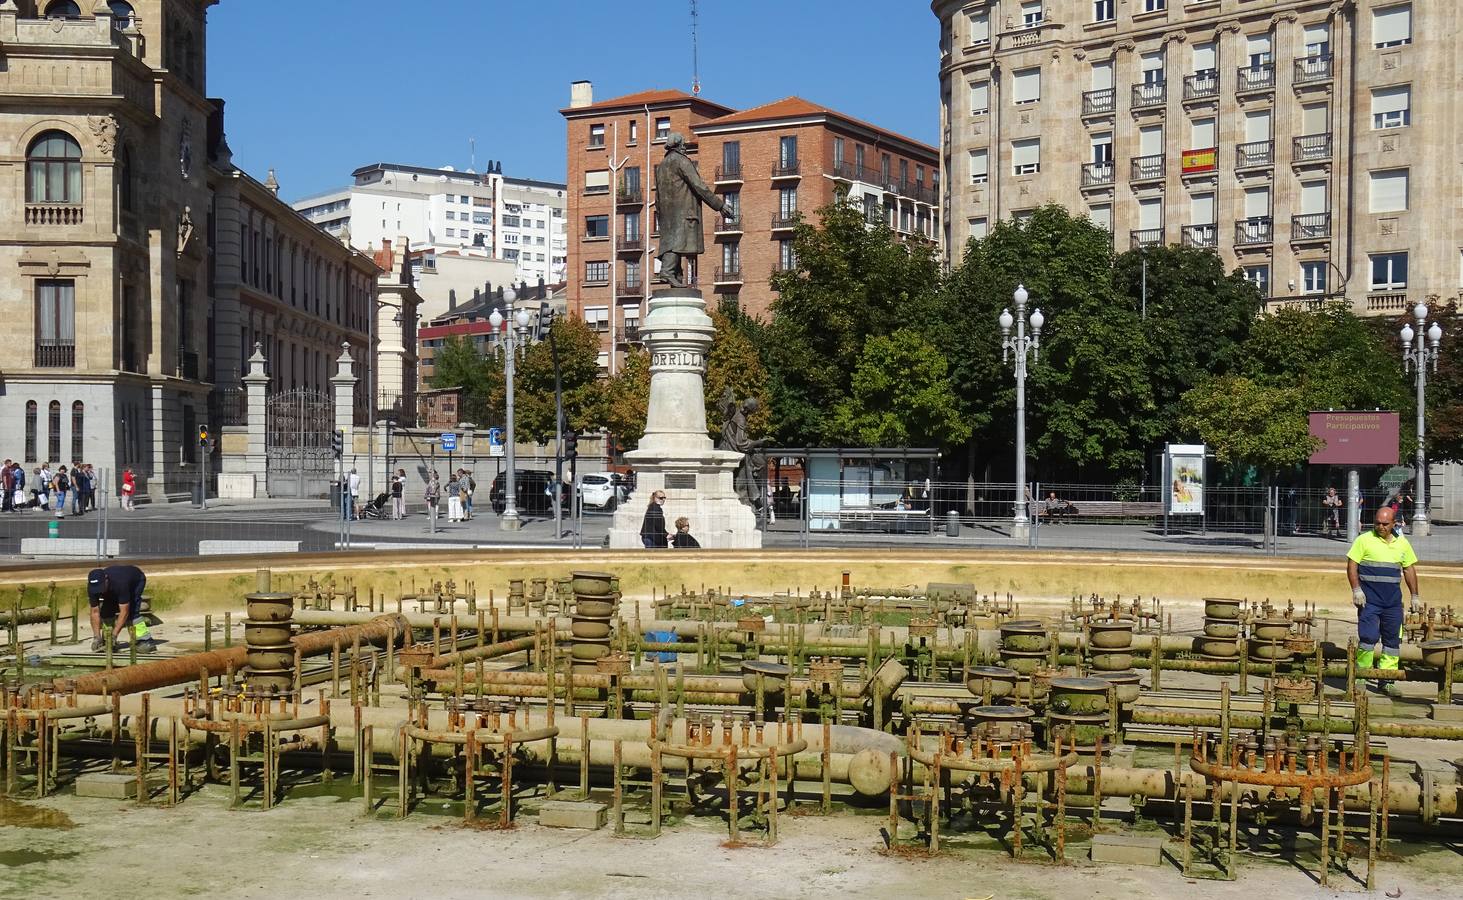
115	594
1377	564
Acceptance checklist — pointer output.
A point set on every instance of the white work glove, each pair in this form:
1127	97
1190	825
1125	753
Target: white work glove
1416	603
1358	597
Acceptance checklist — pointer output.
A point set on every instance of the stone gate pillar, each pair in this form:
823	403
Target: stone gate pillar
256	460
344	383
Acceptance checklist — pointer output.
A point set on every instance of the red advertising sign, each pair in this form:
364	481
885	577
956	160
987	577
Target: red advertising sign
1356	438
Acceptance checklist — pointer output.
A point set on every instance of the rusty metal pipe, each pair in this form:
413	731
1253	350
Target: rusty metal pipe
33	615
161	673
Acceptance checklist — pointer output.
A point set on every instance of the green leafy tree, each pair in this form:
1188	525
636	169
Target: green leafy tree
1444	386
852	281
458	364
902	396
578	349
1249	422
1198	317
1090	406
624	399
1330	355
735	363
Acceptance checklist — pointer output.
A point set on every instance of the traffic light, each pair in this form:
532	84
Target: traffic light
571	445
337	443
203	434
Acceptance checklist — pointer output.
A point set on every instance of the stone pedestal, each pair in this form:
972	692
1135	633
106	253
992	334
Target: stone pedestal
676	455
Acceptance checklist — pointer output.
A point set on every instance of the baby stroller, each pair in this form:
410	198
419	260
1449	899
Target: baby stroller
376	509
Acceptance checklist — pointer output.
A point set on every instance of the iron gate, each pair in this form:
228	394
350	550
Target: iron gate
299	425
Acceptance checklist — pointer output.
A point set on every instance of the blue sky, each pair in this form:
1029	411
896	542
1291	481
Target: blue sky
316	88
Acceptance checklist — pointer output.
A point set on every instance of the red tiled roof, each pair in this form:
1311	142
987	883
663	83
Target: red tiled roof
797	107
642	98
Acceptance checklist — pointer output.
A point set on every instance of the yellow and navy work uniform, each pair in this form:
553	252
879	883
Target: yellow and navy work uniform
1379	565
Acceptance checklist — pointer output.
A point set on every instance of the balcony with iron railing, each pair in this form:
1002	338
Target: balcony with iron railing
1259	77
630	334
1313	70
1310	226
1201	235
1097	174
48	214
1101	102
784	221
1312	148
630	243
630	287
55	353
630	195
1201	85
1148	168
729	174
1254	231
1145	237
786	169
1150	94
728	224
1254	154
728	275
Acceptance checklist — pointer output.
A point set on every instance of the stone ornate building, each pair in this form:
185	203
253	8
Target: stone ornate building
1295	137
137	265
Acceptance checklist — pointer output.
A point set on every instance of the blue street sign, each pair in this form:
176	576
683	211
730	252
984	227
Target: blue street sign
449	441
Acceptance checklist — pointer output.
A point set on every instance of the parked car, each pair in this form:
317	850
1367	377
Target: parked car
599	491
532	487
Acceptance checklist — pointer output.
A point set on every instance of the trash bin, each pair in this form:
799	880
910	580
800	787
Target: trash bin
952	523
198	495
335	495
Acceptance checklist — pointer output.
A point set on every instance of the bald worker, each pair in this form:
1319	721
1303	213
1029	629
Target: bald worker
1377	564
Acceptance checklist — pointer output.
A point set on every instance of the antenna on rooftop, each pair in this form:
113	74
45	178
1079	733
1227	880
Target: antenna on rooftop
695	59
472	152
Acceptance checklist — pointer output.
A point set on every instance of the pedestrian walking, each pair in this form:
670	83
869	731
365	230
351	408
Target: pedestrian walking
45	481
129	488
468	486
91	488
683	539
1331	505
7	484
60	487
18	501
78	492
398	494
353	483
433	496
652	528
1377	564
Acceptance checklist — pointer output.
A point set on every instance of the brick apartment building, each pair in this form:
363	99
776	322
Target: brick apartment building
773	163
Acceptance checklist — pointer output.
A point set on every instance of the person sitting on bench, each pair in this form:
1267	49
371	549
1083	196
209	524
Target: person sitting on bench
1057	510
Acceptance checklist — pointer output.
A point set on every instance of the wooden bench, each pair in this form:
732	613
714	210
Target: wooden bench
1106	509
881	518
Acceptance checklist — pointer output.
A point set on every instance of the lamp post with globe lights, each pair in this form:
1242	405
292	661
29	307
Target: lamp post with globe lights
1420	348
1021	345
521	319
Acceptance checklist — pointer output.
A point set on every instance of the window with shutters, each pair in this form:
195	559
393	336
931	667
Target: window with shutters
1026	156
1388	191
977	228
1317	40
978	24
1031	14
980	97
1026	86
1392	25
978	167
1392	106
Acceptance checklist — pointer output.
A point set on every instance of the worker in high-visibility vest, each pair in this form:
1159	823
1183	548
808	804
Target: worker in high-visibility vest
1377	564
115	593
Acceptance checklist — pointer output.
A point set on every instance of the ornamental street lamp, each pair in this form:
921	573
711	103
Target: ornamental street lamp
1020	345
1419	350
510	520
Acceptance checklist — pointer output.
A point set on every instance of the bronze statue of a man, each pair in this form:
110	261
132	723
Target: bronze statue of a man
679	193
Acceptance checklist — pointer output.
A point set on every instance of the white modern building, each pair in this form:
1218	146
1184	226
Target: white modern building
445	210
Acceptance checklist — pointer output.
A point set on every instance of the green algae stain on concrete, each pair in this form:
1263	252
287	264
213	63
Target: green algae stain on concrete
22	815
